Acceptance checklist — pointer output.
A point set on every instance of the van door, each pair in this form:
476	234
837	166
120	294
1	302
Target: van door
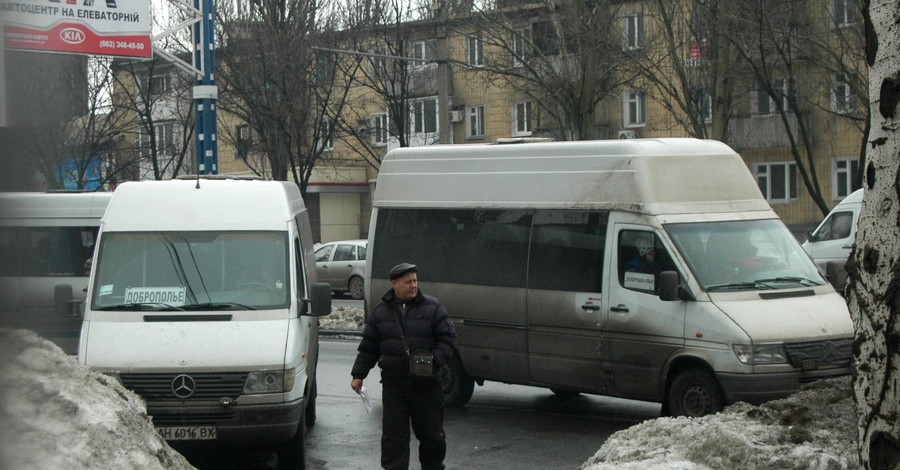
565	319
834	237
643	330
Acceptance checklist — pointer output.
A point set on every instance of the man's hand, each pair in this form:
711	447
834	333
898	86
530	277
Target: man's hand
356	385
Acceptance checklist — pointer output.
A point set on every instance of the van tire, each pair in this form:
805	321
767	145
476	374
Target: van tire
458	386
292	454
356	287
694	393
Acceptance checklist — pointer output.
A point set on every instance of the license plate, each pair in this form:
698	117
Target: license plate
186	433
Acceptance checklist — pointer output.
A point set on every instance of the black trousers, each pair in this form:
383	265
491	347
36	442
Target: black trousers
416	401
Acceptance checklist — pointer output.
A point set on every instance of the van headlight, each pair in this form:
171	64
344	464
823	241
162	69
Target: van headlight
759	354
266	381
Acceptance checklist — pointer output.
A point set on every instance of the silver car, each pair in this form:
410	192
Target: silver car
343	265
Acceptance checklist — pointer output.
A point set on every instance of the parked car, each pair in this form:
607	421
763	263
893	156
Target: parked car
830	243
343	265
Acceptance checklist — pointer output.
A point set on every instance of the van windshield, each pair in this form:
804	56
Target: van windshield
191	271
742	255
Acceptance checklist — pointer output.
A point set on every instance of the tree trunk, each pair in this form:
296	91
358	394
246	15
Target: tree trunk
874	265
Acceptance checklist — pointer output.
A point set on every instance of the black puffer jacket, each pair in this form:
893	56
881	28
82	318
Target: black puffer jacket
426	325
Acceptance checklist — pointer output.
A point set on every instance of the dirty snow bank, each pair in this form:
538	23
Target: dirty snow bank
812	429
56	413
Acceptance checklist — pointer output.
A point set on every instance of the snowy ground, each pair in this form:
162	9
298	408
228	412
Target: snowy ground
55	413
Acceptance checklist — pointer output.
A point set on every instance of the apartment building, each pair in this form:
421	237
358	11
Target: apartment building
598	70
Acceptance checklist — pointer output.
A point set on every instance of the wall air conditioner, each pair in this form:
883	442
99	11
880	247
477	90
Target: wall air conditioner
627	134
456	116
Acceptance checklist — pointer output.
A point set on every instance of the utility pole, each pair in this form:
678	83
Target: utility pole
203	68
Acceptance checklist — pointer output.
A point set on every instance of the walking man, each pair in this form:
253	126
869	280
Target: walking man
410	336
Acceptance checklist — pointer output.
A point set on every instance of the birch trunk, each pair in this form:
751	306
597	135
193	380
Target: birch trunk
874	266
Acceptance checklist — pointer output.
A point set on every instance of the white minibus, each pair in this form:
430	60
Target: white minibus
203	301
650	269
46	243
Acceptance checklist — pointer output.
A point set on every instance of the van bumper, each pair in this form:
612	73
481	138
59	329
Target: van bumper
759	388
247	425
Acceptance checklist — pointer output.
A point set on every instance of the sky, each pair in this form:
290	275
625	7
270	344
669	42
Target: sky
56	413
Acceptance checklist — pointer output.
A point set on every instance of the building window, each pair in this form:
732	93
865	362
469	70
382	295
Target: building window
164	137
522	118
520	40
424	116
425	51
326	135
380	129
377	63
324	68
474	51
157	84
846	172
635	106
764	103
704	104
842	99
475	121
777	181
634	30
845	12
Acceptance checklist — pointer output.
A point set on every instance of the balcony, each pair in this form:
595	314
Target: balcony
762	131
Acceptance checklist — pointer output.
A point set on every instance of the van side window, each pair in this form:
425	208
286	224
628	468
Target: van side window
461	246
567	250
641	258
46	251
836	226
301	274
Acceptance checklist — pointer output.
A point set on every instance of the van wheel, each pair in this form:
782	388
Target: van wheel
458	386
694	393
292	454
311	405
356	286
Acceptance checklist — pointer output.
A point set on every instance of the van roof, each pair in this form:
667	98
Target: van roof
50	207
203	204
658	176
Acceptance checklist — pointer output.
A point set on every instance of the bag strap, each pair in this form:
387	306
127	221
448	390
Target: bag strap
402	333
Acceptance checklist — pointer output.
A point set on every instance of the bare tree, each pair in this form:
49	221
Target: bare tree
777	44
74	150
874	266
565	56
381	40
687	66
272	79
156	96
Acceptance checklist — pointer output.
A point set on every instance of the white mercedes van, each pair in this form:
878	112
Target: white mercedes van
203	300
645	269
830	243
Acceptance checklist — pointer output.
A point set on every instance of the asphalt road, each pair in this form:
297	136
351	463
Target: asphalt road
503	427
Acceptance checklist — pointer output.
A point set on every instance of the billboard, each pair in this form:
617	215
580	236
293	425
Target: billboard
106	27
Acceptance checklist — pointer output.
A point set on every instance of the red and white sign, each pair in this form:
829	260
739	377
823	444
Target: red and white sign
105	27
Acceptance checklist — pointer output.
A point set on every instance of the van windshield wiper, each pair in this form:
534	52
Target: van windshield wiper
794	279
738	285
153	306
218	306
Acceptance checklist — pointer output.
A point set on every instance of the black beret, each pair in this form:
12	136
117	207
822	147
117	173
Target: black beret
401	269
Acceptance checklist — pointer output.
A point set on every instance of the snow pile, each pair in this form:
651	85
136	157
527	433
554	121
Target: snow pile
812	429
56	413
343	319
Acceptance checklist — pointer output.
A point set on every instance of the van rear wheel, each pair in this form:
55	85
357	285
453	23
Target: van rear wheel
458	386
694	393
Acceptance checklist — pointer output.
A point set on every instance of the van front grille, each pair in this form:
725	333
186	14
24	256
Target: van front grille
160	419
835	352
190	387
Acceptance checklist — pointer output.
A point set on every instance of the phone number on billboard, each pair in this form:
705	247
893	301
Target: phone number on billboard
122	45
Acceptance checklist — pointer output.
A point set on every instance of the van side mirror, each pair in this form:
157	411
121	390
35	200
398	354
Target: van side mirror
811	236
320	299
669	286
